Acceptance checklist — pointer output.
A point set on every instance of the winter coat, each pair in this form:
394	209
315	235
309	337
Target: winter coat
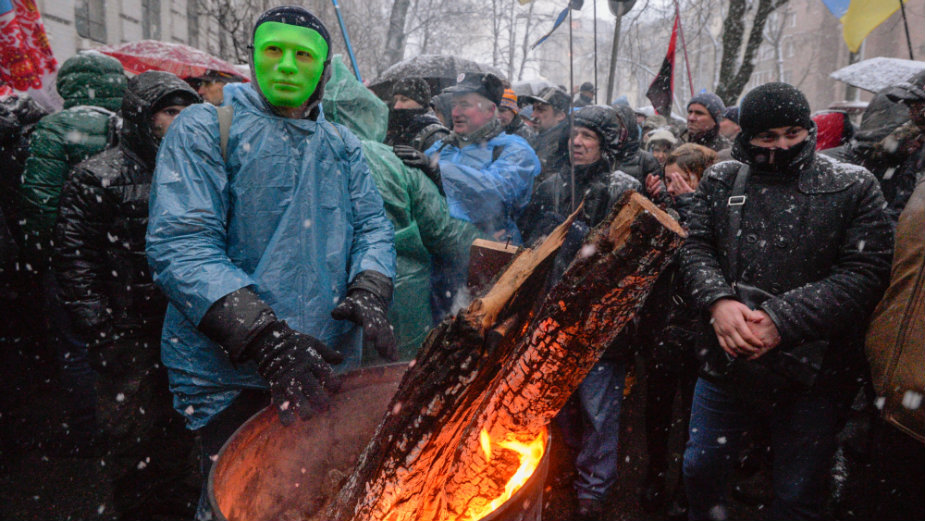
817	238
897	161
637	163
92	86
552	148
711	139
896	338
486	187
601	188
18	117
420	215
292	213
517	127
99	253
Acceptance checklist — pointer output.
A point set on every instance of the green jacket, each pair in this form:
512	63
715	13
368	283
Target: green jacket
91	85
423	226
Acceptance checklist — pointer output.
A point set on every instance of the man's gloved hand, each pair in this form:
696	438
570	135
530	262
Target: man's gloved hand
367	303
297	368
294	364
414	158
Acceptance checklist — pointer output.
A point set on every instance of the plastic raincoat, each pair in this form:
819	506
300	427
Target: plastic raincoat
490	193
423	226
293	213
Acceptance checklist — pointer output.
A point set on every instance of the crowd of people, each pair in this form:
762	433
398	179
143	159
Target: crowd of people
202	248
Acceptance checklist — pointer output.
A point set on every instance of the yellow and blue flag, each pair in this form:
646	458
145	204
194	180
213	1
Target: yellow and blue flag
860	17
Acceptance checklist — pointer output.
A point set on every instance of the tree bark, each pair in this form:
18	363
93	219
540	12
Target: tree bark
734	75
395	38
504	366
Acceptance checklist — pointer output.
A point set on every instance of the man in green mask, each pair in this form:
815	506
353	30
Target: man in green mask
270	239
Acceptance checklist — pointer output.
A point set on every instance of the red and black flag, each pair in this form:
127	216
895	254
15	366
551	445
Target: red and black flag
661	90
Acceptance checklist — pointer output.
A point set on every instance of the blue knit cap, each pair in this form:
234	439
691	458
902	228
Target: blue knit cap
712	102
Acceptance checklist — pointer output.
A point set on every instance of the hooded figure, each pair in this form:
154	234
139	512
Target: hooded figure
424	229
595	143
272	253
796	282
638	164
112	301
91	85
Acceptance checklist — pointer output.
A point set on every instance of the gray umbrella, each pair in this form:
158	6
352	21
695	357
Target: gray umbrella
440	72
876	74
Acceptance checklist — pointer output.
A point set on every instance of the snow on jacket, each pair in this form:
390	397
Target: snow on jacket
100	234
817	238
92	85
487	188
294	214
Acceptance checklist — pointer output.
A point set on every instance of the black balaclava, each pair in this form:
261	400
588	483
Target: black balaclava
774	105
298	16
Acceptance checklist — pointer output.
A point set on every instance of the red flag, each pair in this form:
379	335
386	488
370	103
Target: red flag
661	90
26	61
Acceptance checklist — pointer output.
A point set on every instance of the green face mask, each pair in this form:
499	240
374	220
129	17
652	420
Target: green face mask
288	62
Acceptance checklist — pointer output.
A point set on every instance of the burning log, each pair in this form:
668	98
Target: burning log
460	431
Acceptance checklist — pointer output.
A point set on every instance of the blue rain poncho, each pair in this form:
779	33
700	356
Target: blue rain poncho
489	194
294	214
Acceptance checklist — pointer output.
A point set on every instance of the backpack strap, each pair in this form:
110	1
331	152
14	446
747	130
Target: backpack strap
735	203
225	114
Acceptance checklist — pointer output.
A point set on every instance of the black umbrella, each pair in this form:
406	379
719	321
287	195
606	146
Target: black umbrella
438	70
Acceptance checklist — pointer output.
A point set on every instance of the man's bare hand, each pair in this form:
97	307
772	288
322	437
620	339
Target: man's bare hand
731	323
766	331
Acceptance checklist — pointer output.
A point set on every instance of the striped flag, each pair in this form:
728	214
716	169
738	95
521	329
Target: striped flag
661	91
573	4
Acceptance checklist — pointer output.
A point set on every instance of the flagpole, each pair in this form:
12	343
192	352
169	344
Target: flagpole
571	89
343	30
596	86
687	63
902	6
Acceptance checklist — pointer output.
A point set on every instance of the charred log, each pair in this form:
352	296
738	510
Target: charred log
503	368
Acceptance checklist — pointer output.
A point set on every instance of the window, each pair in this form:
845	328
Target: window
90	19
151	19
192	23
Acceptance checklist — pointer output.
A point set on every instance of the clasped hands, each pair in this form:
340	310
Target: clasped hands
743	331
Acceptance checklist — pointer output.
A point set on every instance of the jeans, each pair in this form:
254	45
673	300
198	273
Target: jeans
802	433
213	436
591	423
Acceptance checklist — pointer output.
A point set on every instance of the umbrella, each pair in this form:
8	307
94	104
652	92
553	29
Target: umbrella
876	74
530	87
182	60
439	71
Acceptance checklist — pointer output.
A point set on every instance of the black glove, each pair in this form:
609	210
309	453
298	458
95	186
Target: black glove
294	364
414	158
297	368
367	303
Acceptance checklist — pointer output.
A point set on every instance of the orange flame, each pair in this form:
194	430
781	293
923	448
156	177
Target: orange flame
530	455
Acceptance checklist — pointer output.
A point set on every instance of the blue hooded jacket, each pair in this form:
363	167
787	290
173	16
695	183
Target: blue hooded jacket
294	213
489	194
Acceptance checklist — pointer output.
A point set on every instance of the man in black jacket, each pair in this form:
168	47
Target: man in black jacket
705	112
814	244
115	306
550	110
411	122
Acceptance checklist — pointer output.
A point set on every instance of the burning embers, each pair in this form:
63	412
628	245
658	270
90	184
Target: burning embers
529	455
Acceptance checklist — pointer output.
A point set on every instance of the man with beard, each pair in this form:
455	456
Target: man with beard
788	253
107	290
705	112
270	239
411	122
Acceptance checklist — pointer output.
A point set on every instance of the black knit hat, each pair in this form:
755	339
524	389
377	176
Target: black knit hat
294	15
713	104
732	114
414	88
487	85
773	105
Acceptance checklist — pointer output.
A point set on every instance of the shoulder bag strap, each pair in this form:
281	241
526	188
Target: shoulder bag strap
734	204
